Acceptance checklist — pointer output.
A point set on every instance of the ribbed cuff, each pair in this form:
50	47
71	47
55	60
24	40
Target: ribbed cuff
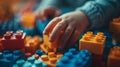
94	14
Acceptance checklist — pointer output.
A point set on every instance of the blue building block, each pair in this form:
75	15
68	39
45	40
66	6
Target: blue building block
8	58
74	58
39	52
40	25
30	62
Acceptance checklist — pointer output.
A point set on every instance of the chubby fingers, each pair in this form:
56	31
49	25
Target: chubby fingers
65	37
75	35
73	38
56	32
51	25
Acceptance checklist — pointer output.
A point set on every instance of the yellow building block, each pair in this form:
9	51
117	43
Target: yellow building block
114	57
28	20
94	43
51	58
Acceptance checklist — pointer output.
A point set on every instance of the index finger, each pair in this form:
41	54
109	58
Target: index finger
51	25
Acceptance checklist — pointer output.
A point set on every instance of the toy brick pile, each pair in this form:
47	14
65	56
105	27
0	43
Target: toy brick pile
19	50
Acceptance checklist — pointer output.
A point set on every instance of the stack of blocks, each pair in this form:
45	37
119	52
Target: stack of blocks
115	26
32	43
30	62
114	57
8	58
51	58
95	44
12	40
74	58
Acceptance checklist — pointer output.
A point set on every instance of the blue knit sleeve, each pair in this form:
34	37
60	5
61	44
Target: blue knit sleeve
99	12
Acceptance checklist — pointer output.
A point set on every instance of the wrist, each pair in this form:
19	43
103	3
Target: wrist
84	18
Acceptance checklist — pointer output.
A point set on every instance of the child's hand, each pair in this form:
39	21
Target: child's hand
73	24
48	12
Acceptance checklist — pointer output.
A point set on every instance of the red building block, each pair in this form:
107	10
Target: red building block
13	41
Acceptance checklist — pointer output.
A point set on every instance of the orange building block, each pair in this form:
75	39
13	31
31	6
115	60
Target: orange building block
115	25
115	28
48	46
28	20
51	58
32	43
114	57
94	43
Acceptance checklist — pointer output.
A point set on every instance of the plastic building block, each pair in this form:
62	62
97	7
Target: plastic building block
74	58
7	58
13	41
28	20
30	62
48	46
51	58
115	26
32	43
114	57
94	43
